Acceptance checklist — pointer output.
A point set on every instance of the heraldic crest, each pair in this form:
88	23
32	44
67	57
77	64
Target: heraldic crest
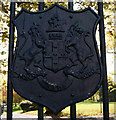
56	60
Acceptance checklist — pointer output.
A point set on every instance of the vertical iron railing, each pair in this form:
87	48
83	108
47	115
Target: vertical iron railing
41	6
70	5
40	110
103	60
73	112
73	106
10	59
40	113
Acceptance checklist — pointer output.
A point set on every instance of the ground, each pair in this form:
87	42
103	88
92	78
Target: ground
82	109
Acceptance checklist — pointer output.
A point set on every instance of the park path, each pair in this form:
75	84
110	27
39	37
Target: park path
19	116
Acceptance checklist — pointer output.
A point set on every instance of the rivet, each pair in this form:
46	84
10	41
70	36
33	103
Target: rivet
40	17
71	16
40	95
72	95
71	102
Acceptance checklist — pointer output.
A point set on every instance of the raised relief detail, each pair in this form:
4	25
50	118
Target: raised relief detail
60	49
81	55
56	55
29	55
54	51
70	52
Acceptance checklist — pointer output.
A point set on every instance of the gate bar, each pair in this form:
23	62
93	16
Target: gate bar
41	6
103	60
40	110
73	106
70	5
73	112
10	59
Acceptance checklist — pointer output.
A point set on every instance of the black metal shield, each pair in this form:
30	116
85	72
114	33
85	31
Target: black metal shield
56	61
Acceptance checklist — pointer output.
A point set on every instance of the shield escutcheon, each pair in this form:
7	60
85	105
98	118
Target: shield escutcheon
56	61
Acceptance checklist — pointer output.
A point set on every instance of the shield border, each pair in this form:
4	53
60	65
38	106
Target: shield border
56	111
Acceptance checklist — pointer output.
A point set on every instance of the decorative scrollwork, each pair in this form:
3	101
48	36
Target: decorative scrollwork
30	75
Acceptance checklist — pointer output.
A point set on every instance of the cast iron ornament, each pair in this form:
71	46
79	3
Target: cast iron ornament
56	60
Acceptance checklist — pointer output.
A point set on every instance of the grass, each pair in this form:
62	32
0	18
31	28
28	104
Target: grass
16	108
82	109
90	109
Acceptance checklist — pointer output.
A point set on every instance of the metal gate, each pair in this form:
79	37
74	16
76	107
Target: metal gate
69	58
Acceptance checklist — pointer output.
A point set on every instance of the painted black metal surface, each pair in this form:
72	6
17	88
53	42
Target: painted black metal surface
103	59
56	59
10	60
